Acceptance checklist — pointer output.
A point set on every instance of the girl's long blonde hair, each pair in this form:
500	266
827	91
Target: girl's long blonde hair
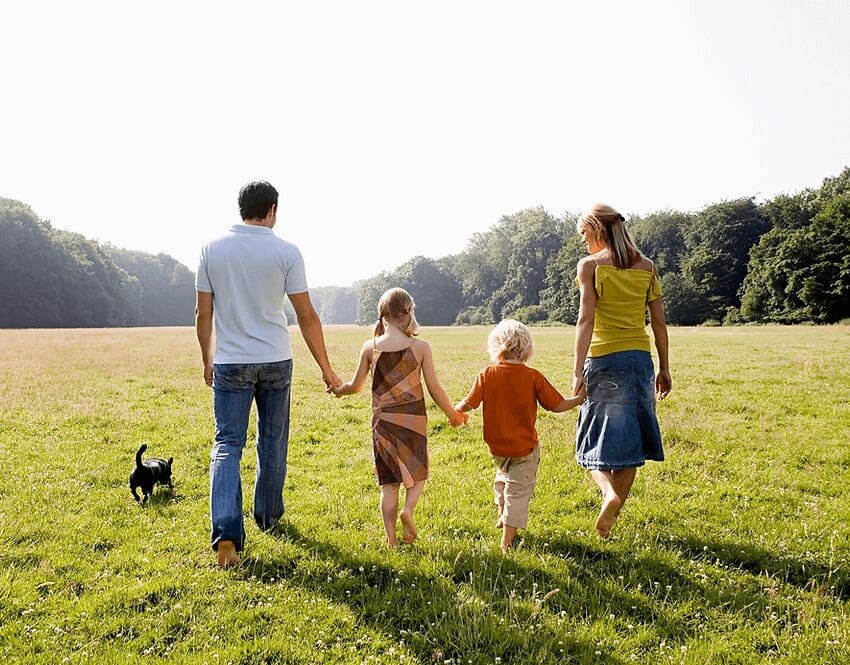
397	306
609	226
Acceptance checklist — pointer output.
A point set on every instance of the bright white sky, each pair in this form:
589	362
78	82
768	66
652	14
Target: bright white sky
394	129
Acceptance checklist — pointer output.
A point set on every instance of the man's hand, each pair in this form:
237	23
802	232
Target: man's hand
208	375
331	380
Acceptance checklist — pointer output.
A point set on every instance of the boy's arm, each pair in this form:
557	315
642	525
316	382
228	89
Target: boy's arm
572	402
356	384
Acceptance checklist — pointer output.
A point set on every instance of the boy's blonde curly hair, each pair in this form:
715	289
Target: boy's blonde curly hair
510	340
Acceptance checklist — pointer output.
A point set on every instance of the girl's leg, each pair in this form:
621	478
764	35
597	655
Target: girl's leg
389	512
411	496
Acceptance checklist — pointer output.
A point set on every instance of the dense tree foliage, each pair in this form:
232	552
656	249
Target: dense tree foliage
54	278
782	260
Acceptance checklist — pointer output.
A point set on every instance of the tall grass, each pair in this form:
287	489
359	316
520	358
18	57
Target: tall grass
734	550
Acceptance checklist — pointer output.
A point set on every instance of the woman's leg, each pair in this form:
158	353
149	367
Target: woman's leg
615	486
411	496
389	512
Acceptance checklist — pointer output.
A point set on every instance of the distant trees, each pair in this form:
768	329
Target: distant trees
54	278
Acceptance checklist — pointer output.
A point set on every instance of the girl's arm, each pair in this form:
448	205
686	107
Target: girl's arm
436	390
584	325
663	381
356	383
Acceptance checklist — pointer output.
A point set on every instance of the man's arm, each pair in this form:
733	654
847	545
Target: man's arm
204	329
311	330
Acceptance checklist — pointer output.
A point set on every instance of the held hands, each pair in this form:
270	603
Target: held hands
582	391
663	383
332	381
579	384
458	418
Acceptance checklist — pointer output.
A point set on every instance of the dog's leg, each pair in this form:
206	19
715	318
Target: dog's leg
135	494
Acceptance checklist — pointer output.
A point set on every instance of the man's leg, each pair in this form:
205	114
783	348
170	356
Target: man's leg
233	393
273	391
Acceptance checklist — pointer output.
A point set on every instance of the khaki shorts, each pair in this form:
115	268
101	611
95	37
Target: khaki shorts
514	485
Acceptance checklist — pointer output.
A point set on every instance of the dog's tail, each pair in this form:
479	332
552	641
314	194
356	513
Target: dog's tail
139	452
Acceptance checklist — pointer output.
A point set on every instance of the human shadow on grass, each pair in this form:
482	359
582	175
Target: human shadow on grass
466	612
803	572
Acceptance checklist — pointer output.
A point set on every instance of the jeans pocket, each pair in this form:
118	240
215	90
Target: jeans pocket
608	386
277	376
234	377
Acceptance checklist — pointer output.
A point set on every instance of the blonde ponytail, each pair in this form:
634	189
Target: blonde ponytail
609	226
397	306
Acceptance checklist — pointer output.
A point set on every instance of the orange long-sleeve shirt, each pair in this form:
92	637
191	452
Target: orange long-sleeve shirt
510	393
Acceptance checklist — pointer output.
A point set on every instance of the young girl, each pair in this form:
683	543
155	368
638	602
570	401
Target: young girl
399	427
510	391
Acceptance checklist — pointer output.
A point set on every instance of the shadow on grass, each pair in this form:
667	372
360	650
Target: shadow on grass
800	571
482	603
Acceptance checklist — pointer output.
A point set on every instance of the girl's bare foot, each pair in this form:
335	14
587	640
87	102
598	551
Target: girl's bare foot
409	533
392	544
608	515
499	523
226	555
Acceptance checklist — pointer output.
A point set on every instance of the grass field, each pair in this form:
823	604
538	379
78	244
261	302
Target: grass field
734	550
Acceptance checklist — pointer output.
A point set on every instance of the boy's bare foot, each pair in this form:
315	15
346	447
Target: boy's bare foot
608	515
409	533
226	555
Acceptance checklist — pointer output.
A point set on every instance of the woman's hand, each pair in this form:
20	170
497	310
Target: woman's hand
579	384
663	383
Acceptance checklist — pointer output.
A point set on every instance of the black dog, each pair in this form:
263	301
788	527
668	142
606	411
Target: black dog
148	473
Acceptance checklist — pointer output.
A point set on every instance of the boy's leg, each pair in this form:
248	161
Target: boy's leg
389	512
520	482
273	393
411	496
233	393
499	487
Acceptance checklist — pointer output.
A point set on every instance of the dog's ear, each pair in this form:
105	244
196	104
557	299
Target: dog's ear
170	460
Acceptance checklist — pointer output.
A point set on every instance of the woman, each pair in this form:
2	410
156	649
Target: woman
617	430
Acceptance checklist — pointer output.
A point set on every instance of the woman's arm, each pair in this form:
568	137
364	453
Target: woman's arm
584	325
356	383
436	390
663	381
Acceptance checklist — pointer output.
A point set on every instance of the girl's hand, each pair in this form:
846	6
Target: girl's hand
663	383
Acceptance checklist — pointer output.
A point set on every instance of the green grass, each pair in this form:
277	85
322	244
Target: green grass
734	550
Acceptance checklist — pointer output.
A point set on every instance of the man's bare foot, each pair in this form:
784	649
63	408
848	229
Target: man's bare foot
226	555
608	515
409	533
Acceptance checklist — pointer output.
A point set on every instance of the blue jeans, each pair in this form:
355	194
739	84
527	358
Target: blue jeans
235	387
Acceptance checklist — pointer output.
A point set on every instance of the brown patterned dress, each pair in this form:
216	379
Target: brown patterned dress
399	426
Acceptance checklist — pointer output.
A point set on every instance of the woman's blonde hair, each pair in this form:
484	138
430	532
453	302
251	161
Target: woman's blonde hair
509	340
609	226
397	305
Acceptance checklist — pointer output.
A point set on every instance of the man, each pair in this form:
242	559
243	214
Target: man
241	283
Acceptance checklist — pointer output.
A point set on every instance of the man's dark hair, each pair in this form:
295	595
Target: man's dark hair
256	199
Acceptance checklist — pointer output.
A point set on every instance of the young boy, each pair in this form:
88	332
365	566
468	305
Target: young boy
510	391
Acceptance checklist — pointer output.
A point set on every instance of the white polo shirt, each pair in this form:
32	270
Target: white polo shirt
250	271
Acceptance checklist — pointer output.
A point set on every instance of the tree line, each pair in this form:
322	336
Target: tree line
785	260
54	278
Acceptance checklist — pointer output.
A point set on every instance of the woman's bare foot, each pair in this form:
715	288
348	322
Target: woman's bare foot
608	515
226	554
409	533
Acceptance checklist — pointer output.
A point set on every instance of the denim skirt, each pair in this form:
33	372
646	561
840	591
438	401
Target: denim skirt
617	427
